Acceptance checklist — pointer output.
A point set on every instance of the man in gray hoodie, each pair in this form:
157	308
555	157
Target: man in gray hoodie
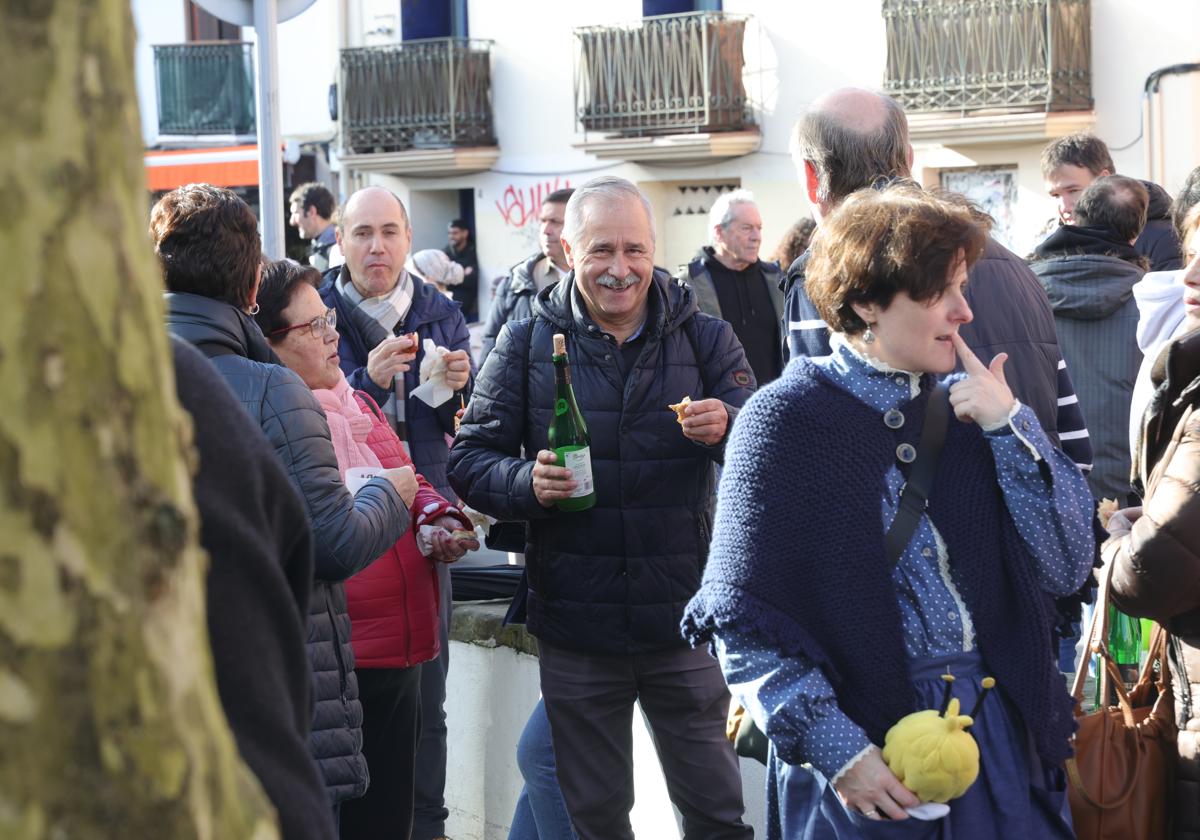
1088	269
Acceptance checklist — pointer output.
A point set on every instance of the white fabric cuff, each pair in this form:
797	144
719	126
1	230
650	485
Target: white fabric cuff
850	764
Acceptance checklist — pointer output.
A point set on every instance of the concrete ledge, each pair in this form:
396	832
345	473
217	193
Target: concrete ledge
482	623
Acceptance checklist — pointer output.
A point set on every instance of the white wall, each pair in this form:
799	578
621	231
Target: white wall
1129	41
156	23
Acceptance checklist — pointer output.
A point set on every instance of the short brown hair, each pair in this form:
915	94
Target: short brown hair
879	243
1078	149
1115	203
207	243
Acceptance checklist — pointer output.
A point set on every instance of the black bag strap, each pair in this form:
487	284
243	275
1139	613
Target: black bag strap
915	495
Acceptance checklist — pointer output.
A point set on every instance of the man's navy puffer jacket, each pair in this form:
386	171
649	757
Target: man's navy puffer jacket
613	579
349	532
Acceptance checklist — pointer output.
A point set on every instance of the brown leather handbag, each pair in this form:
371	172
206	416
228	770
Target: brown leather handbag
1124	765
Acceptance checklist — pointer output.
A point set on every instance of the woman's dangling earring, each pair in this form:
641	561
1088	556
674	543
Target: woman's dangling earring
254	311
868	336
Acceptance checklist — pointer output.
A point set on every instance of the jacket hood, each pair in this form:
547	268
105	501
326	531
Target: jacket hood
1160	201
1159	297
216	327
673	304
1087	287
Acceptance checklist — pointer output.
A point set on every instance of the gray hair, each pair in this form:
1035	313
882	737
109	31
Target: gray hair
847	159
607	188
721	213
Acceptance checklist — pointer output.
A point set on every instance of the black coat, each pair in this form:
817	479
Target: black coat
350	532
259	545
616	578
1159	242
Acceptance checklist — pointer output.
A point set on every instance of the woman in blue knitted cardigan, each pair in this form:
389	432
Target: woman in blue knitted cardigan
825	642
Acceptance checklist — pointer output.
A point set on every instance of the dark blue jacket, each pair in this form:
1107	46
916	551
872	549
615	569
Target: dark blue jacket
1158	242
433	316
349	532
613	579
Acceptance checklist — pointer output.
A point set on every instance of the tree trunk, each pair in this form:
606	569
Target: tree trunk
110	724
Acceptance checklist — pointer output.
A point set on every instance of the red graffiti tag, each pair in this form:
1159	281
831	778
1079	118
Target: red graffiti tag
518	207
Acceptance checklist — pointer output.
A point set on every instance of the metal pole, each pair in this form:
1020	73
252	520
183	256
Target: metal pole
270	158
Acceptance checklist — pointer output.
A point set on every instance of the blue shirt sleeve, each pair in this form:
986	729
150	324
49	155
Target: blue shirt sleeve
1048	500
791	701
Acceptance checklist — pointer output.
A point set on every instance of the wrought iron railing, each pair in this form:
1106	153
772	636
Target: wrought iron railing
205	88
426	94
662	75
969	55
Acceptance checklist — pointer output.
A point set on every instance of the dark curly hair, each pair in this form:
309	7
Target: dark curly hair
207	243
795	242
879	243
314	194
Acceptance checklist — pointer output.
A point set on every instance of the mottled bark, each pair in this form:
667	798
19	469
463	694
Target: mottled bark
110	725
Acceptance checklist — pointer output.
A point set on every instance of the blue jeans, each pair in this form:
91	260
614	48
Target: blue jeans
541	813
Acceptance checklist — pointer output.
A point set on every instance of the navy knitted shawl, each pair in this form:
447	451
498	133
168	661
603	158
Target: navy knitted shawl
797	556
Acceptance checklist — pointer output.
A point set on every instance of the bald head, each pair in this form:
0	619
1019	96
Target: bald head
375	237
373	197
850	139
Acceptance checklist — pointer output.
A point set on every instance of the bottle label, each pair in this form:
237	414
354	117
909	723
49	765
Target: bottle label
560	408
579	462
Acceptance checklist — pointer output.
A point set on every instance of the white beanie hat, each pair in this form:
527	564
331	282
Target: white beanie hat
434	266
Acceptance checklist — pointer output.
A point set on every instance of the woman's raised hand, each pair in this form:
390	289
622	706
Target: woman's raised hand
984	396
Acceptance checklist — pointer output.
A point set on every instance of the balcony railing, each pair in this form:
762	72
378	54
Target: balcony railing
427	94
205	88
662	75
970	55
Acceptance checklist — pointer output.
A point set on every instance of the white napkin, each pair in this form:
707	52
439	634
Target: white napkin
433	390
929	811
425	538
482	522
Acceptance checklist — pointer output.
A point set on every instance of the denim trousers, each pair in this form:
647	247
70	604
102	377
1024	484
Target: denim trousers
541	813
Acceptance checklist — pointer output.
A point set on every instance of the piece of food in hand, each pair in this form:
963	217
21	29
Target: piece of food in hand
679	407
1105	510
460	534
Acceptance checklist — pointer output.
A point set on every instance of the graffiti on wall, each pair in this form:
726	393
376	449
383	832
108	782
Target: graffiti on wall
519	206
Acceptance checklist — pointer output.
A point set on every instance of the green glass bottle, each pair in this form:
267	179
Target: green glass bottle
1125	646
568	434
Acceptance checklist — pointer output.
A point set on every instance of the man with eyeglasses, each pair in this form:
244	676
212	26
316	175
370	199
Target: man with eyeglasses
380	309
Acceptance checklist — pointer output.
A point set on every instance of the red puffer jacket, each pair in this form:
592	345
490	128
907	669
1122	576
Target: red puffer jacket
394	601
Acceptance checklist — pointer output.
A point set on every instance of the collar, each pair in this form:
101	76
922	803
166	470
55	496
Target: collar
868	379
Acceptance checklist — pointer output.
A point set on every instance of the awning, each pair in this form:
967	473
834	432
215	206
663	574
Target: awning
224	166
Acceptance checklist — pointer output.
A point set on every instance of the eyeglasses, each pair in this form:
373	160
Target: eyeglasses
319	327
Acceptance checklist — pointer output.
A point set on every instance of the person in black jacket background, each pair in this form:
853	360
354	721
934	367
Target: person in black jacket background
259	546
607	587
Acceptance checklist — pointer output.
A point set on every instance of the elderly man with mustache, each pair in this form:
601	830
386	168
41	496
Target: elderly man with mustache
607	586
